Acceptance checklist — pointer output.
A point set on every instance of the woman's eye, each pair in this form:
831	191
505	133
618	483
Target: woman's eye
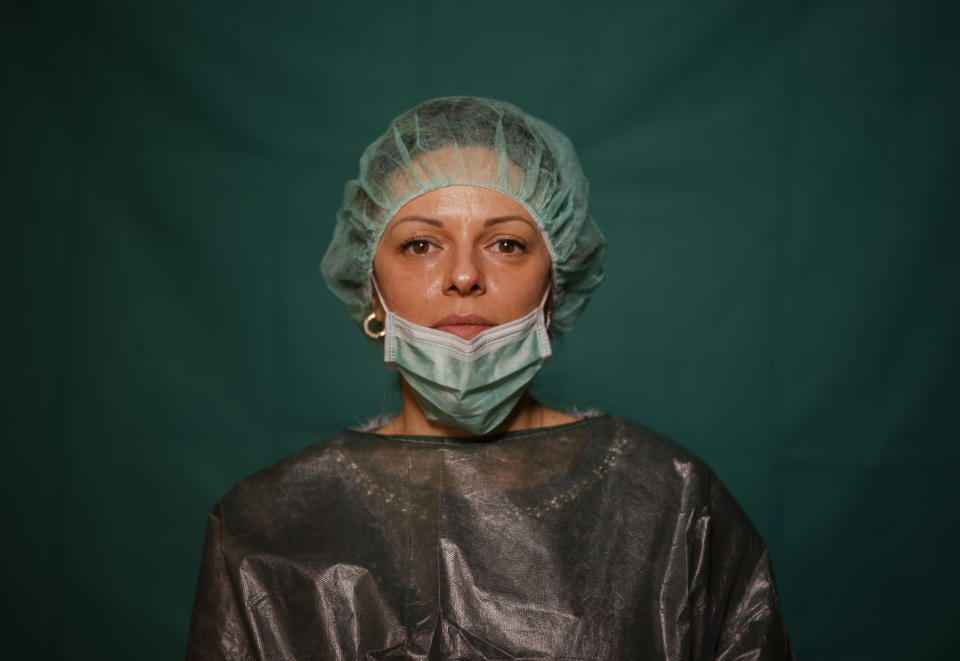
508	246
417	246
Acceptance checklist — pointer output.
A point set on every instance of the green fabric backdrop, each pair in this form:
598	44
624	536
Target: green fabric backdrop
778	183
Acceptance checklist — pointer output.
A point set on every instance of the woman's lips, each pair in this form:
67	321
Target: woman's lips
466	326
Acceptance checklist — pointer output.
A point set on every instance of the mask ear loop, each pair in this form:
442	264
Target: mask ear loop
543	306
373	315
549	294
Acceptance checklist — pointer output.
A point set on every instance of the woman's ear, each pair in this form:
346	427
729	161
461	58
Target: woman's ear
377	308
375	304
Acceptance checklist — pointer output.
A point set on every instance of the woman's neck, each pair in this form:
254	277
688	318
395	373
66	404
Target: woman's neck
527	414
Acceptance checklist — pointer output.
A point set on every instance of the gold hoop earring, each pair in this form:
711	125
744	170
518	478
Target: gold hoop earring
366	327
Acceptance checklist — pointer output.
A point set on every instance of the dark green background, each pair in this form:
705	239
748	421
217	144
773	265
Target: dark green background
777	180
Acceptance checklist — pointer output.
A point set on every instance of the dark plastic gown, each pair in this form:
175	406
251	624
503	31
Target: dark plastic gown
597	539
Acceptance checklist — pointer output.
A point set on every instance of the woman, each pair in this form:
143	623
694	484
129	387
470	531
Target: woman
478	523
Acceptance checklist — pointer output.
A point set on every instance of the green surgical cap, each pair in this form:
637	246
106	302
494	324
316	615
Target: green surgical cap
478	142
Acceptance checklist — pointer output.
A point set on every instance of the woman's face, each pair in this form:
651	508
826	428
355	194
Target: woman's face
461	259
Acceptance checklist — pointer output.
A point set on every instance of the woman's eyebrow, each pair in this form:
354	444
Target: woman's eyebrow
503	219
436	223
429	221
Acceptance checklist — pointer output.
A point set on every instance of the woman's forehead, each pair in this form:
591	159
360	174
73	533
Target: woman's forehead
462	203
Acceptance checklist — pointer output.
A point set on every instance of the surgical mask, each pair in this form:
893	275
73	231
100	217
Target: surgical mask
473	384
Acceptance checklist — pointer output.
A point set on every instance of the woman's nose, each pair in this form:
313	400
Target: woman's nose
465	274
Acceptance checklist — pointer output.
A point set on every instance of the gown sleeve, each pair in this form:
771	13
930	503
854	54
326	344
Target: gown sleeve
218	629
751	626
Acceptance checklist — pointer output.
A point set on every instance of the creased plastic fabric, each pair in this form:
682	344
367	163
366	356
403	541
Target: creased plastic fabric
593	540
478	142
